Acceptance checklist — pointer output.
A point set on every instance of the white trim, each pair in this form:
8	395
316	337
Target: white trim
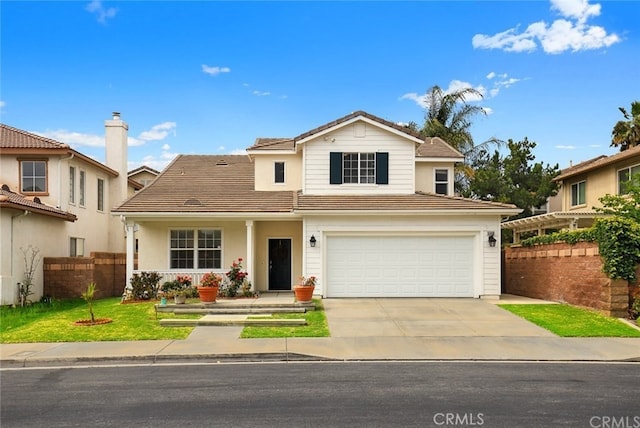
434	159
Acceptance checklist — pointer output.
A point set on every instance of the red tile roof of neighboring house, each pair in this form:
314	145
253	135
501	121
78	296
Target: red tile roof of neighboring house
9	199
598	162
17	141
225	184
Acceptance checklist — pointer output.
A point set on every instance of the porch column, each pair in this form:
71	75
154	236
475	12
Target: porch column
131	249
249	261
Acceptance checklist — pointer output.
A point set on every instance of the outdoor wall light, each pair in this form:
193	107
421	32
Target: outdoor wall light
312	241
492	239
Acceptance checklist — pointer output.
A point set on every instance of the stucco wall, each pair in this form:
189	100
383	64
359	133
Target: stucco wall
264	172
564	273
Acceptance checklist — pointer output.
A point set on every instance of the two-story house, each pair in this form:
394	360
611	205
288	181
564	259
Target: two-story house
58	201
363	204
581	187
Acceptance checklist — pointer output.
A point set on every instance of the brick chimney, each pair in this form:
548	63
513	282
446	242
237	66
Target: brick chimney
116	136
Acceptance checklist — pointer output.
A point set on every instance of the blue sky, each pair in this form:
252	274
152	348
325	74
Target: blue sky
209	77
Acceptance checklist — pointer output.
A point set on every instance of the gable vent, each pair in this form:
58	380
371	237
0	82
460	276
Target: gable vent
222	162
193	202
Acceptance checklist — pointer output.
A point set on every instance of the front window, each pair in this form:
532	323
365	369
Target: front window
34	176
359	168
279	172
196	249
578	193
72	185
624	176
442	181
100	194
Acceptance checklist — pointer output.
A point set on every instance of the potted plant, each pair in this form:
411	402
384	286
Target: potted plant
303	290
209	287
179	289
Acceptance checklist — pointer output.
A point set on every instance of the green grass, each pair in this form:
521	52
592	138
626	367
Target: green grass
54	323
570	321
316	326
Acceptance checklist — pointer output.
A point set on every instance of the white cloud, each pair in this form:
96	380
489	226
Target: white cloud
261	93
2	104
166	147
215	70
563	147
103	13
74	139
238	152
571	33
158	132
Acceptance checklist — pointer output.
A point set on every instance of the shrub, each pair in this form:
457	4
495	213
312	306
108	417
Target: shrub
144	286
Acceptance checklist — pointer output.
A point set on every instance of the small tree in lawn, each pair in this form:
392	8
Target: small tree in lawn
88	296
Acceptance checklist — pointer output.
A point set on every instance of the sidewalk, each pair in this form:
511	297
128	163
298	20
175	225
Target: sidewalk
213	344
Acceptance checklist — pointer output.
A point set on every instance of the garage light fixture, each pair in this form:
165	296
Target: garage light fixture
312	241
492	239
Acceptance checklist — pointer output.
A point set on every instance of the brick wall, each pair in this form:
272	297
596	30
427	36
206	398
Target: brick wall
66	277
565	273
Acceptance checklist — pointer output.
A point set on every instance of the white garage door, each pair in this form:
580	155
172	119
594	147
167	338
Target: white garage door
409	266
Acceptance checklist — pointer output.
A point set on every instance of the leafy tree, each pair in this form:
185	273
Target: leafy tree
448	116
88	297
626	133
513	178
627	205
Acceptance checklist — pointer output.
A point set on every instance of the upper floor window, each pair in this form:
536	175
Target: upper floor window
72	184
33	176
278	172
578	193
360	168
196	249
100	194
442	181
624	176
83	179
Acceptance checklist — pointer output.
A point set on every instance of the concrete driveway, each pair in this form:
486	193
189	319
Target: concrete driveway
412	317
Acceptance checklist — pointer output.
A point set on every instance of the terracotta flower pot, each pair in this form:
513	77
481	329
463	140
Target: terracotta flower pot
303	293
208	294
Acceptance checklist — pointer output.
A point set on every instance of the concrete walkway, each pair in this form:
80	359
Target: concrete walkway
362	329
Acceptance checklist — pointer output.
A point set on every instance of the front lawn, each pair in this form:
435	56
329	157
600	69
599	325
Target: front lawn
570	321
54	323
317	326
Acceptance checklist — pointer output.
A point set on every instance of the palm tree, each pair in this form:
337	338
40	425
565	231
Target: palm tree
448	116
626	133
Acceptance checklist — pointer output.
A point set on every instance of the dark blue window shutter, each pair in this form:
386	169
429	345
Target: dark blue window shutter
335	168
382	168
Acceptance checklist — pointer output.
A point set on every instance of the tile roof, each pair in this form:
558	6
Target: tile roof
598	162
143	168
273	144
207	183
11	137
419	202
432	147
14	140
436	147
224	184
353	115
9	199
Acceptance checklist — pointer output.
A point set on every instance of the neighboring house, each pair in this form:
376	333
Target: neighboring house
143	175
57	200
581	187
363	204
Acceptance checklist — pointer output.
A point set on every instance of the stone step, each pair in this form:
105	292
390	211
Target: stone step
290	307
232	322
229	311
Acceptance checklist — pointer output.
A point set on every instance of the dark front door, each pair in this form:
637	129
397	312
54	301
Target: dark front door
279	264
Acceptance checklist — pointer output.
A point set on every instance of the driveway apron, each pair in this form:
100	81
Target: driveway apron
411	317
